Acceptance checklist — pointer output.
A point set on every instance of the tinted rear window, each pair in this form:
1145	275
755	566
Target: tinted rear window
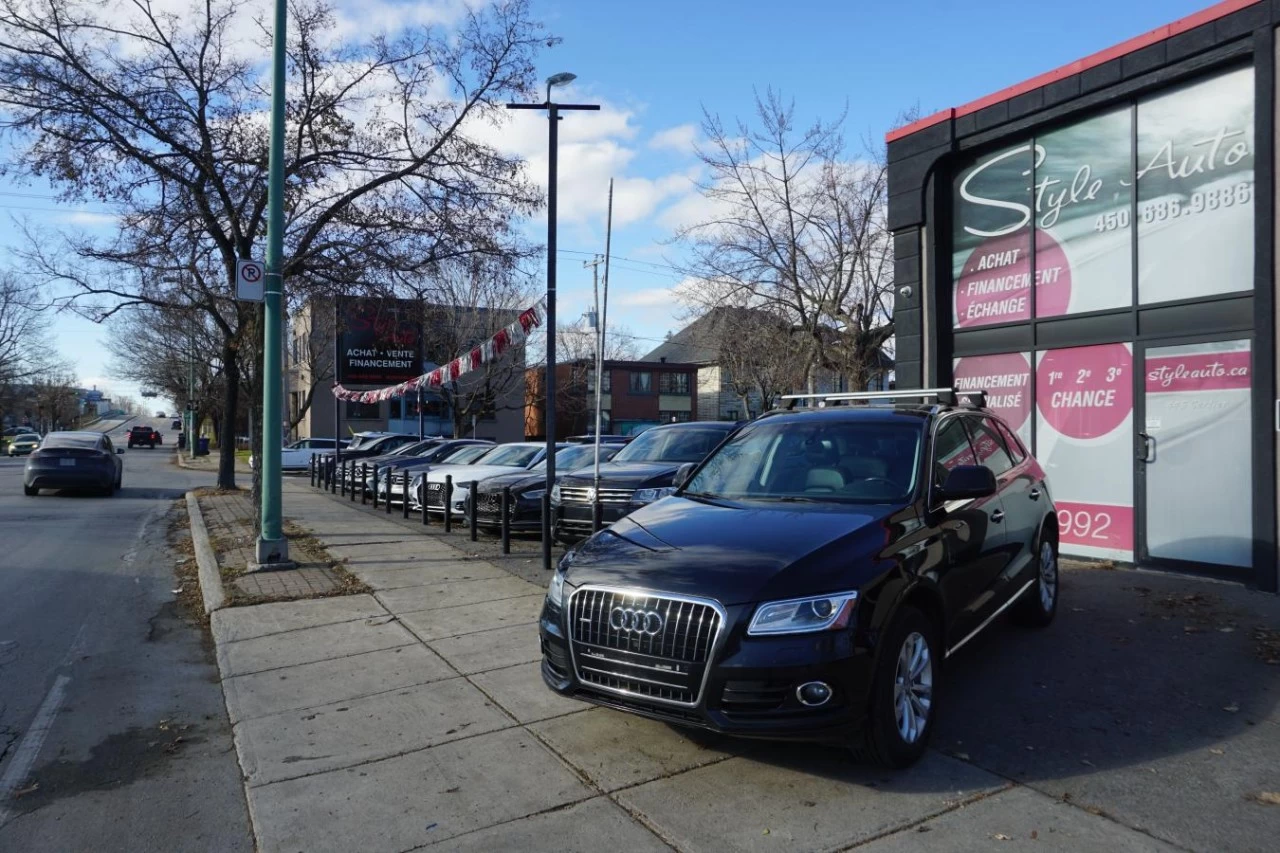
54	439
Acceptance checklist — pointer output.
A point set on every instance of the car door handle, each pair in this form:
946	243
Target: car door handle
1035	494
997	516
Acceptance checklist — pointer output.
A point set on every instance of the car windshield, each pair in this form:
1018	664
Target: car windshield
27	436
578	456
55	439
671	445
511	455
363	441
467	454
410	449
823	461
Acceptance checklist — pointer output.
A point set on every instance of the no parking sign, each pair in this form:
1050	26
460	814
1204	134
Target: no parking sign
250	277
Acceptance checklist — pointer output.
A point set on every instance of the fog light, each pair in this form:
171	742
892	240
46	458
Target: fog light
813	693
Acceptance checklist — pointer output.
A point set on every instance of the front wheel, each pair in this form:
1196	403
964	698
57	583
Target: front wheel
30	491
1039	603
903	694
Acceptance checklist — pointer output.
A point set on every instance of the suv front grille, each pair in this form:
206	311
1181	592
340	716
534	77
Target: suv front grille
652	646
581	495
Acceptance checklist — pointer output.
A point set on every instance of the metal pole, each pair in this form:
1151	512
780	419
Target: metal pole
375	486
312	470
426	516
448	500
387	480
353	481
272	546
333	480
473	499
342	479
597	510
364	479
404	495
553	123
506	519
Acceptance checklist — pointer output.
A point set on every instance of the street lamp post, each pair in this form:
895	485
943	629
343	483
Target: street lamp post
272	548
553	116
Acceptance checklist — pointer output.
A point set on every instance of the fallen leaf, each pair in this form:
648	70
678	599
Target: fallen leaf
1232	708
1270	798
1034	835
177	591
1217	752
30	789
1000	836
766	832
1093	810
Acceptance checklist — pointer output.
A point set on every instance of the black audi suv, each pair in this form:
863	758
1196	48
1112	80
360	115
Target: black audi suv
808	579
639	474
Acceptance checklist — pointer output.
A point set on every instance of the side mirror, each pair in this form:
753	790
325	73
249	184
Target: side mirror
683	473
966	482
119	451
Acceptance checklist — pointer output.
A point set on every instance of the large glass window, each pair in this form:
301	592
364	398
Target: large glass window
641	382
991	241
1195	189
1007	380
1084	441
673	383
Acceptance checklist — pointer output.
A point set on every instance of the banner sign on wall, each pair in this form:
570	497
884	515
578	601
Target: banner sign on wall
378	342
1007	380
1073	188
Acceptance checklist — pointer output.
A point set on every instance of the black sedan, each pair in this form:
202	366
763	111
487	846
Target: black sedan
74	460
528	487
640	474
808	580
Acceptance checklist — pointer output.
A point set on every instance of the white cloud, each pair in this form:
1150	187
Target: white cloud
648	297
680	139
88	219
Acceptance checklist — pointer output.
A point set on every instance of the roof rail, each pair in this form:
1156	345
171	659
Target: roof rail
945	396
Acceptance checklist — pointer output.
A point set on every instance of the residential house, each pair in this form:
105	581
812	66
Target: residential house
635	395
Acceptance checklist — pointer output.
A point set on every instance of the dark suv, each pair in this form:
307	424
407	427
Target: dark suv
639	474
808	579
143	435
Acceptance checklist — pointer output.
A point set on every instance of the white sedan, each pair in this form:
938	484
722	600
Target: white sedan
502	459
297	456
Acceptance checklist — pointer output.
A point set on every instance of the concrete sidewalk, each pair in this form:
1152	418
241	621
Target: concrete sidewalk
416	716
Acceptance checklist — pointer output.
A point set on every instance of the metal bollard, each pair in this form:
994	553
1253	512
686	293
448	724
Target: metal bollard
506	519
324	475
548	532
333	476
353	482
388	480
448	501
404	496
473	499
364	478
597	514
426	516
342	480
375	486
311	469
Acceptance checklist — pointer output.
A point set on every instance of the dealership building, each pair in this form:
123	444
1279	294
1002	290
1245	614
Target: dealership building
1095	248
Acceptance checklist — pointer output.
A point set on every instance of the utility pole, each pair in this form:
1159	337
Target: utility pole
272	548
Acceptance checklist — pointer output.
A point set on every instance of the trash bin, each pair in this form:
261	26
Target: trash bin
182	441
202	446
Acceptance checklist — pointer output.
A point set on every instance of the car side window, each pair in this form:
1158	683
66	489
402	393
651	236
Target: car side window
951	448
988	445
1016	450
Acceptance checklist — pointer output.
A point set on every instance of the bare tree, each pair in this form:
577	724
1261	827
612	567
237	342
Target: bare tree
24	344
158	111
798	230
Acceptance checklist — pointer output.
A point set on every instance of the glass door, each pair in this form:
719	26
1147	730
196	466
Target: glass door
1194	454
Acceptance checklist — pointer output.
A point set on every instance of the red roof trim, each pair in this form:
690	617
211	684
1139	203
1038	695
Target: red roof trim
1213	13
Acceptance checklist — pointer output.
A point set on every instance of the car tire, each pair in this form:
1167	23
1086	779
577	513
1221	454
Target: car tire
894	735
1039	603
30	491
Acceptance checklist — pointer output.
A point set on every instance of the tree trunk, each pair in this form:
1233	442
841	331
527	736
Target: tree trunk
230	400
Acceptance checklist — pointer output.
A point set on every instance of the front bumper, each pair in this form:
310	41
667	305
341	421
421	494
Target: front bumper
573	520
749	688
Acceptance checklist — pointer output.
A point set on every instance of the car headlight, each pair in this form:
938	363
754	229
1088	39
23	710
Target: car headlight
555	494
555	592
536	494
802	615
648	496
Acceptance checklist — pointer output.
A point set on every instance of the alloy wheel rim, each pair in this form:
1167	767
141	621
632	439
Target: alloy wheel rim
913	687
1048	576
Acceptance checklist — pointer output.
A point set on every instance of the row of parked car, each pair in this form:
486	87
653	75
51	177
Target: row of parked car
633	472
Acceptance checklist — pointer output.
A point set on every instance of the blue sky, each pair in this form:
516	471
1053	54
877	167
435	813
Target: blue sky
655	64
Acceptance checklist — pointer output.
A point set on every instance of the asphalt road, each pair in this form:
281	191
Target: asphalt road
113	731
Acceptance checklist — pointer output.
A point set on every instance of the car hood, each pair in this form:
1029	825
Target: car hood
737	553
626	475
517	480
467	473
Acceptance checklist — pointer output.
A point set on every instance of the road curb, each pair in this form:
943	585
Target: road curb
206	561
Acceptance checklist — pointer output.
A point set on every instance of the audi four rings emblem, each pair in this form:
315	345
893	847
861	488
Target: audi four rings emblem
625	619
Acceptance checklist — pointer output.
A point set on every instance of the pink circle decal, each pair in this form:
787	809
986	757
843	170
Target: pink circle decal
1085	392
995	283
1007	380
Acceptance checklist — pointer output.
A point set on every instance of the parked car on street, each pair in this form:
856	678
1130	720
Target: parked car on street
502	459
23	429
640	474
528	486
23	443
604	439
808	579
177	424
467	455
367	444
141	434
74	460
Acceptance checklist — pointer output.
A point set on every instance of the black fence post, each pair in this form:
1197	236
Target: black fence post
426	516
404	494
342	479
597	514
448	501
473	500
354	474
387	478
375	486
333	476
311	469
506	519
548	524
364	478
325	474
